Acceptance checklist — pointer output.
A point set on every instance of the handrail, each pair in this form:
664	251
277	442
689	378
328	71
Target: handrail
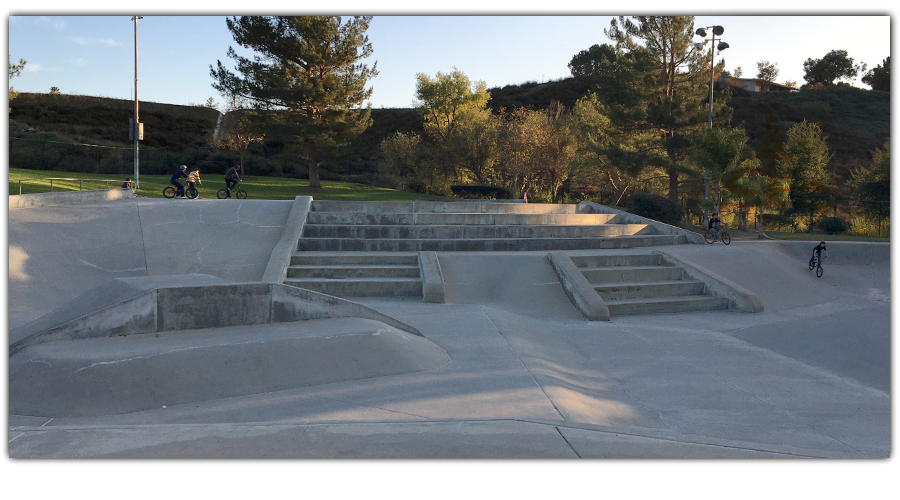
80	182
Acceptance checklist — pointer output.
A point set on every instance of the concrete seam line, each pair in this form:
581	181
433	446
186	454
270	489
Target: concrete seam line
567	442
513	351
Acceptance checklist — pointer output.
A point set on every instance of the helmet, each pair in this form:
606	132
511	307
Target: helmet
821	242
184	167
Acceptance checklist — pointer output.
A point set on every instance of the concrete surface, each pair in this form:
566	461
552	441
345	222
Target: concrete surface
528	376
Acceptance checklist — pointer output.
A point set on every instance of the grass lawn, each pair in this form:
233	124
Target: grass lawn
260	188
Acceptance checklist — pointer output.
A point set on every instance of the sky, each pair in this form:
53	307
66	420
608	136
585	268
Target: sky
94	53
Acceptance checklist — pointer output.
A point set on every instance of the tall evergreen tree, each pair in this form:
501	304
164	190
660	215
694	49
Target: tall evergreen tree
676	110
307	68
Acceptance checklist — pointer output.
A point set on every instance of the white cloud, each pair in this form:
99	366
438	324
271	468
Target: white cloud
81	61
54	22
83	40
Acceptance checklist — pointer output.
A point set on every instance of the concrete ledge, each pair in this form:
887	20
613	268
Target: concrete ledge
432	278
577	288
629	218
738	297
67	197
280	258
216	306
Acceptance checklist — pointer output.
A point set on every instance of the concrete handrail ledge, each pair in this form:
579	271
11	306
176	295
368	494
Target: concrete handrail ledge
280	259
623	217
212	306
577	288
432	278
68	197
738	297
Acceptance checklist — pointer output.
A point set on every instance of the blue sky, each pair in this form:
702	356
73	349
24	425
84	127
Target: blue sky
93	54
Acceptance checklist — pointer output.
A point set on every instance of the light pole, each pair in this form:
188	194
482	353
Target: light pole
716	30
136	129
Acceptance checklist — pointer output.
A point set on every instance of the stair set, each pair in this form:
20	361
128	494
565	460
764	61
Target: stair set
644	284
375	249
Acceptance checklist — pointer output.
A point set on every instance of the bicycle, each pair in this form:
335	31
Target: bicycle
816	264
238	193
189	191
723	234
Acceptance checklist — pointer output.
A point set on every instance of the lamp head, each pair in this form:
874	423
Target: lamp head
718	30
701	31
722	46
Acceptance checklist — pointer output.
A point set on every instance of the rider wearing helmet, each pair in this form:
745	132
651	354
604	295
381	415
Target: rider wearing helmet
817	251
174	180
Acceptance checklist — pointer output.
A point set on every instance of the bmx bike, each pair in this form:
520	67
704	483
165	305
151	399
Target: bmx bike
237	191
816	264
190	191
722	234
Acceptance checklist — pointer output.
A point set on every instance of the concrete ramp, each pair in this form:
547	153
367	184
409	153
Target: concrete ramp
105	376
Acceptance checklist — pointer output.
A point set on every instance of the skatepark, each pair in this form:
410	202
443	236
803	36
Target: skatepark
143	328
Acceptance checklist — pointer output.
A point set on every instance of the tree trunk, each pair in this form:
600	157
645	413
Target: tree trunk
314	182
673	185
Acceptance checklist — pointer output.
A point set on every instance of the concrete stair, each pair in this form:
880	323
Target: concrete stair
354	274
355	249
642	284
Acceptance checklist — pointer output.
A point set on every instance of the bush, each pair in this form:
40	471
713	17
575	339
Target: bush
656	207
834	225
481	192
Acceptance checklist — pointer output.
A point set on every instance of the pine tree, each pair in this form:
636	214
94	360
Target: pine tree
307	68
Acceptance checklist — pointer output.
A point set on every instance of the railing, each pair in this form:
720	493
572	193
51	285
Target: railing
129	183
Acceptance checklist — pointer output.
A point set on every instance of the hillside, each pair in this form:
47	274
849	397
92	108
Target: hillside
51	131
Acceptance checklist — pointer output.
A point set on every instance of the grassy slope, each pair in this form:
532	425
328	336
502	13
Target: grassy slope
268	188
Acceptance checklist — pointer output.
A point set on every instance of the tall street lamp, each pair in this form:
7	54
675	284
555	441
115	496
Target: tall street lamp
716	30
136	130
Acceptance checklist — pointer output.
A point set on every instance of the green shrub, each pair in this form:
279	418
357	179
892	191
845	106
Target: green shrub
834	225
656	207
481	192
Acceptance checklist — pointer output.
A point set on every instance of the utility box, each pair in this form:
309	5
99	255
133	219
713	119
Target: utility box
132	128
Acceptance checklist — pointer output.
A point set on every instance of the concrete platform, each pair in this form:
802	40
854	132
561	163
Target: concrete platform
526	375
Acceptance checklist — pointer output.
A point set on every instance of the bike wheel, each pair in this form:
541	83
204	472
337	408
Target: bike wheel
241	194
222	194
192	193
169	192
726	238
709	236
819	271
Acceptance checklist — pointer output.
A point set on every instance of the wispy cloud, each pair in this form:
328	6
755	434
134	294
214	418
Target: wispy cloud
83	40
81	61
52	21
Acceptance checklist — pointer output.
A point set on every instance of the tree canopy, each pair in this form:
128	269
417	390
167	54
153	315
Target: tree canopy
307	67
835	65
879	77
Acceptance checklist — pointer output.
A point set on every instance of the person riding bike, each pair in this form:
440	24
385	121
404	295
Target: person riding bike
817	251
194	178
232	178
179	189
714	225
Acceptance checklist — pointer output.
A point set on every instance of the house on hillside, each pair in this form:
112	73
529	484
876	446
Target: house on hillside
756	85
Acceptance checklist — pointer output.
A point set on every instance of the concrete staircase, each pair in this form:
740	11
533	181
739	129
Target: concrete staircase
644	284
355	249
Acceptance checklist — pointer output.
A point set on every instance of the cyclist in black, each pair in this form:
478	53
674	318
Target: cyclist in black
232	178
714	225
817	251
179	189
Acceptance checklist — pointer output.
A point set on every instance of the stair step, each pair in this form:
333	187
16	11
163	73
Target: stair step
630	274
467	219
649	289
361	287
355	231
633	259
353	271
483	244
354	258
662	305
